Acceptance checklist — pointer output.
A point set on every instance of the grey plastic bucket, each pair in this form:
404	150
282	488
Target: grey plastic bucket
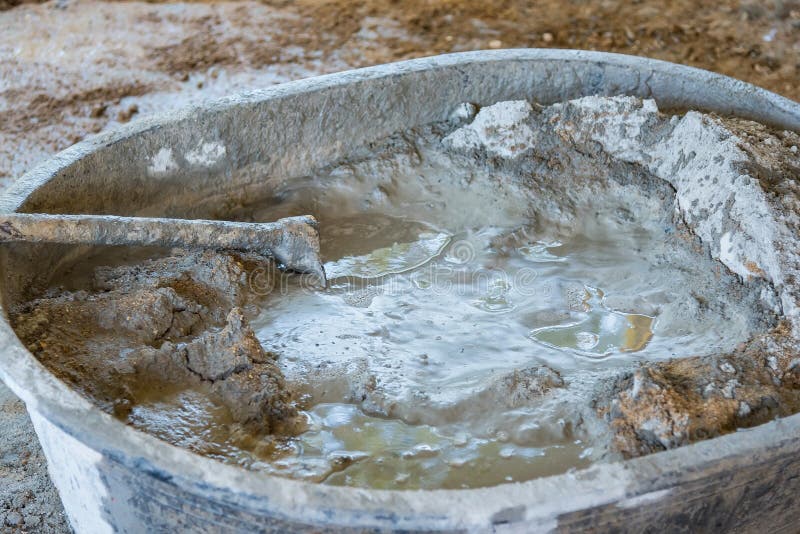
113	478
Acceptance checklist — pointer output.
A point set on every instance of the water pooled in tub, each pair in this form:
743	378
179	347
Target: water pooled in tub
449	347
436	317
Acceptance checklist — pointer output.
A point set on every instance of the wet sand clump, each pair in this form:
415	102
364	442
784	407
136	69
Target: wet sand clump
665	405
166	324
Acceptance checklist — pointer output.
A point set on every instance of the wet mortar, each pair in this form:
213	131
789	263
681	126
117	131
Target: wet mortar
505	301
57	104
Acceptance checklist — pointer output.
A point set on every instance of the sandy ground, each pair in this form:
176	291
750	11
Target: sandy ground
69	69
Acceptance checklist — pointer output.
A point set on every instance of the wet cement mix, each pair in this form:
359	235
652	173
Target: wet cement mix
73	68
516	292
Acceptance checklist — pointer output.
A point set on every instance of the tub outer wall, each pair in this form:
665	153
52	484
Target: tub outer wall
115	479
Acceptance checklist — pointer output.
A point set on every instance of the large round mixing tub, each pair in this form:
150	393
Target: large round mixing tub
113	478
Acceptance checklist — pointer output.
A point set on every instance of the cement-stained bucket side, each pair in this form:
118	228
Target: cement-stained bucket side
113	478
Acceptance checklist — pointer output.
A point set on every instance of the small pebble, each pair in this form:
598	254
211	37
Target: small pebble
13	519
126	114
744	409
772	361
729	391
98	111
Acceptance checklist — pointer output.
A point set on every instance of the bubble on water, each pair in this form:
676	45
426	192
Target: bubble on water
586	340
506	452
421	280
461	252
496	297
457	462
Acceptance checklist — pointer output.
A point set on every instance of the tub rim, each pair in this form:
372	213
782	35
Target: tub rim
623	483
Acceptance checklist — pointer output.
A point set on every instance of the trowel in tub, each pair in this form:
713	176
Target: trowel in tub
293	242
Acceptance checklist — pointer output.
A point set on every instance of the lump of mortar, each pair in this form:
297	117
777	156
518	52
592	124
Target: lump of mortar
501	128
146	315
244	377
81	349
259	400
663	405
218	282
521	386
353	382
167	362
217	355
512	390
167	323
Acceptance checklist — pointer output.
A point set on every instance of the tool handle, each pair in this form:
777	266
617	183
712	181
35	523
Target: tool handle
293	241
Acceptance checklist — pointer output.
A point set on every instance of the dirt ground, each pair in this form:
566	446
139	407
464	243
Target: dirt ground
71	68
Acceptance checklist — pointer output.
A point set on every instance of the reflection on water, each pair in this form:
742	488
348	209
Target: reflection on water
394	259
345	447
597	331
